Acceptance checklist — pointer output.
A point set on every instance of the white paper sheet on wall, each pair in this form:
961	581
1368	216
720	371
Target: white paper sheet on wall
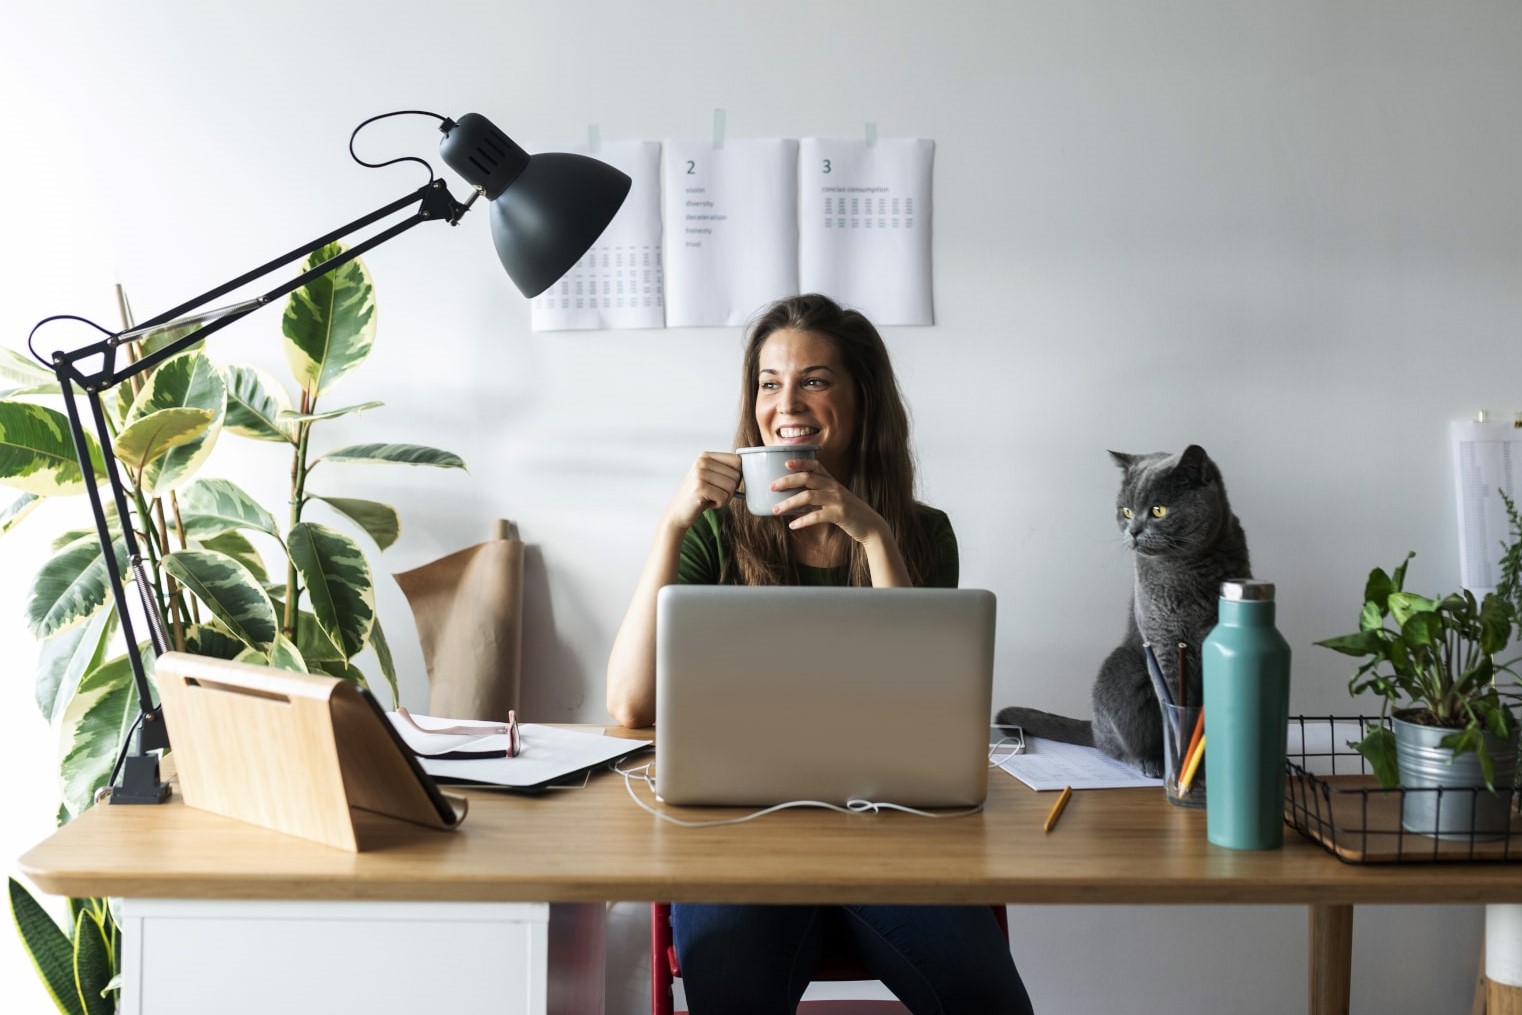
731	228
864	225
1487	457
618	283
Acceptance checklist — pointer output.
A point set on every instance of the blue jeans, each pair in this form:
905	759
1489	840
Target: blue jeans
938	960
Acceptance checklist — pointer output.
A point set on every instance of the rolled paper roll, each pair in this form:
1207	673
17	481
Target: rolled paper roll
468	608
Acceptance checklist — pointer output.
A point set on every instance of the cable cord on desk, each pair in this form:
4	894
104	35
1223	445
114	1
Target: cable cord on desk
857	806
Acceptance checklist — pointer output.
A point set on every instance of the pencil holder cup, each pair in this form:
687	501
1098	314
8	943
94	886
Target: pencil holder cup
1183	755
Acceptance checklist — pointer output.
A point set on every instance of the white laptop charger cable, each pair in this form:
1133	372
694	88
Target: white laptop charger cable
855	806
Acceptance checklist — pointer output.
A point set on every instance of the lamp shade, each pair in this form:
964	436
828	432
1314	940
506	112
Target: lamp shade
546	210
548	217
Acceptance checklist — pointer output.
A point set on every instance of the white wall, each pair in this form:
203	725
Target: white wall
1290	232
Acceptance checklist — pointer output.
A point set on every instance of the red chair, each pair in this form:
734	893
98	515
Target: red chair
835	964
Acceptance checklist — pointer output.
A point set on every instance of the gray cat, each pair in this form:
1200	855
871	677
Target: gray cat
1172	511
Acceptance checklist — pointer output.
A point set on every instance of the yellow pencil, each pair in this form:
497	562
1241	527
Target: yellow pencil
1062	801
1191	765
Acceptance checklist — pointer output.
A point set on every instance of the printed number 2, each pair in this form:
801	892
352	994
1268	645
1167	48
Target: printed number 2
827	165
691	167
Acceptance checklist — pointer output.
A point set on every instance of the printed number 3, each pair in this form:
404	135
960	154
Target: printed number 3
827	165
691	167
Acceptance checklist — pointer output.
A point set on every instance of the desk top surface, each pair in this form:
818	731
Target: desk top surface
1119	846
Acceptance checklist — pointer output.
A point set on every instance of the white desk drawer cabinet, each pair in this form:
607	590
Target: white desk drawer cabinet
244	957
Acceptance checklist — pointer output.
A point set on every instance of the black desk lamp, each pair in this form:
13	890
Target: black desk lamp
546	210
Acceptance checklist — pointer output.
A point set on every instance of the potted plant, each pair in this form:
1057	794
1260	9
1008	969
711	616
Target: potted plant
314	610
1452	721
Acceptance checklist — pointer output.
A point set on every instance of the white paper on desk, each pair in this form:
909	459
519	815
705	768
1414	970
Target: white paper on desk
489	737
618	283
731	228
864	225
548	753
1050	764
1487	457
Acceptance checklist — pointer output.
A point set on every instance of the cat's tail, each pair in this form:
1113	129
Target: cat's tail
1048	725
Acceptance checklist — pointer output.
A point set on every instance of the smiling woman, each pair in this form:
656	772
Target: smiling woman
812	373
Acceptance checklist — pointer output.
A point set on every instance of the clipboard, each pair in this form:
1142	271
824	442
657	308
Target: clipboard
298	753
549	758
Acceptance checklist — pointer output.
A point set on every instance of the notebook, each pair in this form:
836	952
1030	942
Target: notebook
768	695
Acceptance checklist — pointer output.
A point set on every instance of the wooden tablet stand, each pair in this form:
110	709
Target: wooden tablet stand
294	752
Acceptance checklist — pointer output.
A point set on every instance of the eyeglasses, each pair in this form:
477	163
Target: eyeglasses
477	729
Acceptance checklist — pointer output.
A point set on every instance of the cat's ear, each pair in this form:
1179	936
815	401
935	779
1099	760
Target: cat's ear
1193	466
1122	459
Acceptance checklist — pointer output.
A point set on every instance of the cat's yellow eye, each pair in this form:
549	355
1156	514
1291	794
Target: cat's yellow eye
1125	512
1159	511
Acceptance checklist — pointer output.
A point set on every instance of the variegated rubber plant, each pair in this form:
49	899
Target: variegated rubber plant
315	611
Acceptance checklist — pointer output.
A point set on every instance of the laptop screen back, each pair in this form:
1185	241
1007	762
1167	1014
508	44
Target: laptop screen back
768	695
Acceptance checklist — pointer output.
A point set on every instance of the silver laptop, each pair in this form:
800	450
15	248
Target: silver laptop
767	695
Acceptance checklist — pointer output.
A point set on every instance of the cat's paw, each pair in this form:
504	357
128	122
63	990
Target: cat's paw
1152	768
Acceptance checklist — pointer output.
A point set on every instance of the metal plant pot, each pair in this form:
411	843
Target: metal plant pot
1445	796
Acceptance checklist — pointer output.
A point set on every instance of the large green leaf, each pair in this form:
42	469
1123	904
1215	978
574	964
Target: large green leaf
383	656
313	417
329	323
148	439
1378	746
1423	629
49	947
234	596
71	587
338	583
23	375
92	965
94	727
17	510
1495	624
255	403
286	656
212	640
65	659
188	380
166	335
237	546
402	454
380	521
20	369
37	453
210	507
345	670
1405	605
315	644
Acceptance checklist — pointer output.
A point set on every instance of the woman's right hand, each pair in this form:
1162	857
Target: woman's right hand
710	483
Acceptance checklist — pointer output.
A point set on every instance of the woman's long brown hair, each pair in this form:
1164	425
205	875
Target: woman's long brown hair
882	465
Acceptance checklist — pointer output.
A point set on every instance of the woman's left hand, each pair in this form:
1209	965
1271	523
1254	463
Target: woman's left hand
826	501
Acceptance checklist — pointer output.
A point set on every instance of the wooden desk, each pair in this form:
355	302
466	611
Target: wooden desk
594	845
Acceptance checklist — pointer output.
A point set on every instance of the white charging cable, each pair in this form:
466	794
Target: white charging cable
854	806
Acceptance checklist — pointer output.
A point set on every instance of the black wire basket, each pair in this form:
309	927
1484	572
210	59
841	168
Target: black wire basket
1331	797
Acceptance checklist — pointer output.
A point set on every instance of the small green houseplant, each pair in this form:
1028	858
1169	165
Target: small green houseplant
1433	662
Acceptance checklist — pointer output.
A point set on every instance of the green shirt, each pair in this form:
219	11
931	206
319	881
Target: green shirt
704	551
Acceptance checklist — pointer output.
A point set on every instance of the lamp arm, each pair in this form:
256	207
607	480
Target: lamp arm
140	779
434	201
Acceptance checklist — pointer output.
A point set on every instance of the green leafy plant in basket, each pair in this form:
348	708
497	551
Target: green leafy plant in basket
1433	661
314	611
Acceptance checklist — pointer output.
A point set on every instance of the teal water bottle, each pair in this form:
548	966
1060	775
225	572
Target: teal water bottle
1245	665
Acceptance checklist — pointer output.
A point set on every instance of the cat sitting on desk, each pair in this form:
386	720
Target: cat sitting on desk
1173	513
